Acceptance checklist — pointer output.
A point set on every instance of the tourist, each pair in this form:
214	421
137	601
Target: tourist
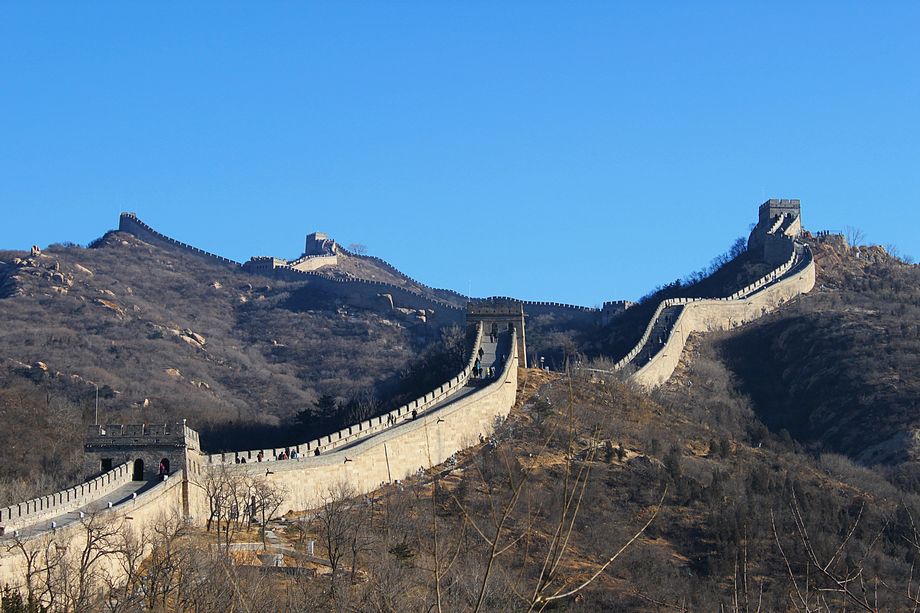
259	456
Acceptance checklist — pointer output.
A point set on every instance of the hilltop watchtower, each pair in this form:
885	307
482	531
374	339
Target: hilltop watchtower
778	220
774	207
319	243
498	315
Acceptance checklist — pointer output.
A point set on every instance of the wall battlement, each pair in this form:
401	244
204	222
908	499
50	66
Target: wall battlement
128	222
793	276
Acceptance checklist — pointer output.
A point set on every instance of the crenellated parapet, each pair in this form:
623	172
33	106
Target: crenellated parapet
128	222
369	427
654	357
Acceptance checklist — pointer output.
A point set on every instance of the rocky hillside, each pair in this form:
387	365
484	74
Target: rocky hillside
581	466
839	368
166	335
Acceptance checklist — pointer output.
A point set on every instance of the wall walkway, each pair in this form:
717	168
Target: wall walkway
656	355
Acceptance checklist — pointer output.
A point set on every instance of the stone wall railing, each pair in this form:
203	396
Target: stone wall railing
176	432
47	507
374	425
382	286
724	314
538	303
767	279
131	224
128	222
780	220
312	262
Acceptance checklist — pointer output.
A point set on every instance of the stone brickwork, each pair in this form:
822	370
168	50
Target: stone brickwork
774	207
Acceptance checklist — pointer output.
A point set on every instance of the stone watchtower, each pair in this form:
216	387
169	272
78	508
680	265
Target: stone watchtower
774	207
319	243
145	447
498	315
778	220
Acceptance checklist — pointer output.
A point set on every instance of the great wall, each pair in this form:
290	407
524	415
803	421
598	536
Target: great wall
125	487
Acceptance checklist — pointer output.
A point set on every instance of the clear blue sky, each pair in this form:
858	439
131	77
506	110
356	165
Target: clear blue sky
565	151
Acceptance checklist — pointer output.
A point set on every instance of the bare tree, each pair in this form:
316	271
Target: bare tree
267	498
42	557
358	248
825	576
333	519
854	236
79	573
505	529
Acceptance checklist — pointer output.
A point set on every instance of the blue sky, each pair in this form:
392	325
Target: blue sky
576	152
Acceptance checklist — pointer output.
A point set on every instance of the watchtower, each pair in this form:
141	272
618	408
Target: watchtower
146	446
498	315
319	243
774	207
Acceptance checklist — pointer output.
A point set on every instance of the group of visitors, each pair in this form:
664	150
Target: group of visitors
481	372
287	454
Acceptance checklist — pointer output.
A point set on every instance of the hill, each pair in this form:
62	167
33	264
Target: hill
581	467
839	367
166	335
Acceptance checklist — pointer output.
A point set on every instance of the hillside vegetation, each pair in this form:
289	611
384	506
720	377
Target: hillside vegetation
537	515
839	368
165	335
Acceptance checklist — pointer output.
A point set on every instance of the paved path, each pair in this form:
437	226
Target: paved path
120	496
491	356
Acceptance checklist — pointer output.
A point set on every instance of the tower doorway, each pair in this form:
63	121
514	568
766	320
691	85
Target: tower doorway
138	474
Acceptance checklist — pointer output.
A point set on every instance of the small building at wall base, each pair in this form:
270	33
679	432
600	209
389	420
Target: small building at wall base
498	315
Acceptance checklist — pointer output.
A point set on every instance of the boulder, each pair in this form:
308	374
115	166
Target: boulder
194	336
173	372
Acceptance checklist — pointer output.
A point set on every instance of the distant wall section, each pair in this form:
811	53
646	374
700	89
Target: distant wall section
128	222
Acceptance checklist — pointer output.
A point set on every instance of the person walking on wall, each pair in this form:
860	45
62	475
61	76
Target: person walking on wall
259	456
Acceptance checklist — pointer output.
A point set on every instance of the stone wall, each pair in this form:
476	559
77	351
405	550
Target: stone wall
704	315
161	501
309	263
397	452
48	507
356	292
128	222
364	429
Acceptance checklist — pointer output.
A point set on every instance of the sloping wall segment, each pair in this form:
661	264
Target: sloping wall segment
794	277
397	452
48	507
375	425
